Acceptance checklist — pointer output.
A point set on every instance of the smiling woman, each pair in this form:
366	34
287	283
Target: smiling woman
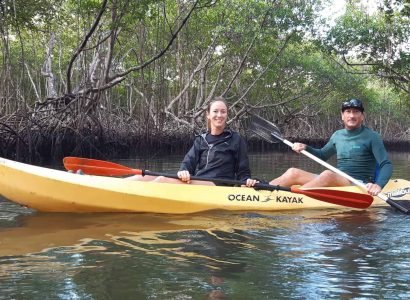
219	153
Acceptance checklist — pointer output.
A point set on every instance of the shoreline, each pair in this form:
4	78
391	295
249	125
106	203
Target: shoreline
49	151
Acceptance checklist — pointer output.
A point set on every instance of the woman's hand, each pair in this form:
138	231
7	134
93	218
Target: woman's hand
184	176
251	182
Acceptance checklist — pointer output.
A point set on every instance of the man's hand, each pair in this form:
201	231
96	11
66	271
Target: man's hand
298	147
373	189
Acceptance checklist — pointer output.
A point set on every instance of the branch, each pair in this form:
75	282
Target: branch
211	93
244	58
264	71
200	66
32	83
389	73
358	64
118	78
239	69
83	44
46	70
162	52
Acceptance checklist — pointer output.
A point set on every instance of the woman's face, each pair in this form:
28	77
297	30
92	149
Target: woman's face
217	115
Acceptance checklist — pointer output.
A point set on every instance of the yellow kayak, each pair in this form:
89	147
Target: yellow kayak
50	190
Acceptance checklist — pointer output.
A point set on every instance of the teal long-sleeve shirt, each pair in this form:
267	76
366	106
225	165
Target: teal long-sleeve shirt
358	151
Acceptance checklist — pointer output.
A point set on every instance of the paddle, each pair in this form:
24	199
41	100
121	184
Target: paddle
271	133
105	168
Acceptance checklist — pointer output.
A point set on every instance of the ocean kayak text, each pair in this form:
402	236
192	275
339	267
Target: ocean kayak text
280	199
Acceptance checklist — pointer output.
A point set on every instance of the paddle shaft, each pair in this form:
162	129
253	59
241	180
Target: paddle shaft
100	167
262	186
343	174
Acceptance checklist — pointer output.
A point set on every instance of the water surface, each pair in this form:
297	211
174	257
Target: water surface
317	254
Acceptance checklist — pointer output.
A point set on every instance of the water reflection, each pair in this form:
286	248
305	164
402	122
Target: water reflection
342	256
279	255
74	247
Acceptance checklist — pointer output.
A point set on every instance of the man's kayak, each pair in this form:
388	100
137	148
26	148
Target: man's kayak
50	190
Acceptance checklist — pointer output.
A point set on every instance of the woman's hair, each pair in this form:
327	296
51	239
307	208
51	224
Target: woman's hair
208	109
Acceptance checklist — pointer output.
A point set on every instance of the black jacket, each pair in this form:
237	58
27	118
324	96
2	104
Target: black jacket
226	159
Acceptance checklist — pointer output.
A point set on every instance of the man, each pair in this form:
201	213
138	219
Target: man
360	153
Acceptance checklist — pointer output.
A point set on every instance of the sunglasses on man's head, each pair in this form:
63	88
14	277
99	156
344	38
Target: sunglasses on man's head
353	103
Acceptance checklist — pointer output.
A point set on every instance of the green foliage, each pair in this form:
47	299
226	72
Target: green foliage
26	14
377	43
267	54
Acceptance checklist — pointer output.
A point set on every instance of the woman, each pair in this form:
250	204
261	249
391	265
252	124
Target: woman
220	153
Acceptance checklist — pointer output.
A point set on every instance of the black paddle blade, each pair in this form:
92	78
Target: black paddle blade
265	129
400	205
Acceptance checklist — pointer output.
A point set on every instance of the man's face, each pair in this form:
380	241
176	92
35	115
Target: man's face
352	118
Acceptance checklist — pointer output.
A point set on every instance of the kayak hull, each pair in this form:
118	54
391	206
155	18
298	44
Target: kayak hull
50	190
